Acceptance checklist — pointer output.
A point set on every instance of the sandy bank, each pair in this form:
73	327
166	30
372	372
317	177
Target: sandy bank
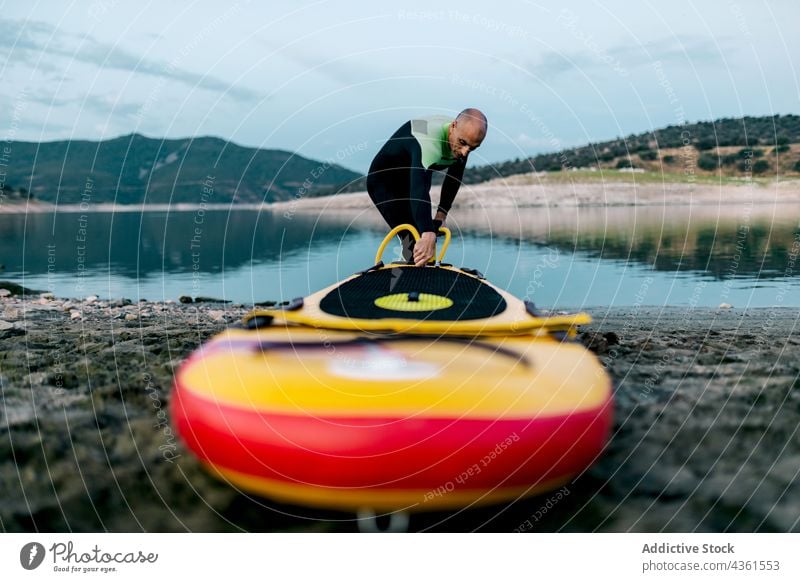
520	191
527	191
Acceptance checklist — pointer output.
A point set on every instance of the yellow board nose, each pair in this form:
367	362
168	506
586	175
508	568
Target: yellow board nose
410	302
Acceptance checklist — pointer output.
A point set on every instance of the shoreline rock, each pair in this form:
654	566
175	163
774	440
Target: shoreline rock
9	289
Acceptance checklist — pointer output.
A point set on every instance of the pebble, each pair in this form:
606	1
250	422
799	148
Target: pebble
131	317
75	314
725	306
42	307
5	325
4	292
91	299
216	315
599	342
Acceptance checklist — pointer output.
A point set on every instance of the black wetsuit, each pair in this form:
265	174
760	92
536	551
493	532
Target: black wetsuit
399	179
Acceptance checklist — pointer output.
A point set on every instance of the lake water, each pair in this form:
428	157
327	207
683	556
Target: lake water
559	257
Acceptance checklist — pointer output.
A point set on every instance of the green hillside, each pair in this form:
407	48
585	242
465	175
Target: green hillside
134	169
753	146
730	147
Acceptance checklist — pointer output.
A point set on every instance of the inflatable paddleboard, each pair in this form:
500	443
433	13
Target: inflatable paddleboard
400	388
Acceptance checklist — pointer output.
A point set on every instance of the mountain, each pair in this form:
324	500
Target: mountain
136	169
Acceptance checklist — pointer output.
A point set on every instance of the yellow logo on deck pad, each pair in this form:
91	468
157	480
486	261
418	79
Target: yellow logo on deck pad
401	302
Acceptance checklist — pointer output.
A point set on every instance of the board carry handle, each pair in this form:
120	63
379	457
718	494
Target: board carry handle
392	233
415	233
447	236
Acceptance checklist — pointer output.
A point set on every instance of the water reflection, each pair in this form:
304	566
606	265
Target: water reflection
719	242
567	255
734	242
142	244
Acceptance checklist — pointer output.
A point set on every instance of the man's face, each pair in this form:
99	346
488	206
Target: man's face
465	136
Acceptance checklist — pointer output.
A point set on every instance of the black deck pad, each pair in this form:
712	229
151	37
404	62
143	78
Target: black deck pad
472	299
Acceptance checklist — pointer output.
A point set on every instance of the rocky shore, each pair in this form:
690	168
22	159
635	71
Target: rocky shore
706	433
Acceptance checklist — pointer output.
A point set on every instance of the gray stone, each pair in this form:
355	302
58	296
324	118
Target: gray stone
216	315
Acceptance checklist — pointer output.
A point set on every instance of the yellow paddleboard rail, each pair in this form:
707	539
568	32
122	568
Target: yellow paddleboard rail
410	326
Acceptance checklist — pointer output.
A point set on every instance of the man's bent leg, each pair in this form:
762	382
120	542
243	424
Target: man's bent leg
407	242
395	210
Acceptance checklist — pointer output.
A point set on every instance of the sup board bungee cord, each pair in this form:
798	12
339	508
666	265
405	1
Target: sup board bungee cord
401	388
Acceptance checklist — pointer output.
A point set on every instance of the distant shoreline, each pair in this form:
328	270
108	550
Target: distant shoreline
586	190
519	191
45	207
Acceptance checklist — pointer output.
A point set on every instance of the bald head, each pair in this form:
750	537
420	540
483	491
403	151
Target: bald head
473	116
467	132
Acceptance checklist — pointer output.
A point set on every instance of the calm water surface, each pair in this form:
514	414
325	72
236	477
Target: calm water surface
559	257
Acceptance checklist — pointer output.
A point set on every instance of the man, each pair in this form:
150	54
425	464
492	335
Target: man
399	179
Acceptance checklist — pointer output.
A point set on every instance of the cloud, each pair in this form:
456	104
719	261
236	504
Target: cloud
524	140
110	105
100	104
339	71
620	59
27	42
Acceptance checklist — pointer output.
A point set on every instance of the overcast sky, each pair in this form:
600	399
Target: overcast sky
332	80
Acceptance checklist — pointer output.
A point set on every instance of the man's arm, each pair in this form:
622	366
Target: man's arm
419	191
452	182
419	186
